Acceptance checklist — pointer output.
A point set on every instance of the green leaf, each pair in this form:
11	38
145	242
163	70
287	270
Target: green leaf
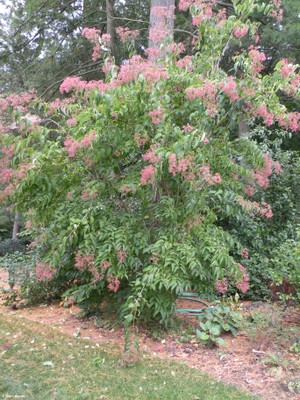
202	335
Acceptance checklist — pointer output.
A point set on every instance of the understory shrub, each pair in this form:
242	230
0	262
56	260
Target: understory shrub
267	240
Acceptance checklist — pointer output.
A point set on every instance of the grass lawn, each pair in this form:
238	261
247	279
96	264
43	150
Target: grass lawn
39	363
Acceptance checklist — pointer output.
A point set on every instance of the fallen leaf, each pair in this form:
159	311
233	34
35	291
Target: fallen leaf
48	364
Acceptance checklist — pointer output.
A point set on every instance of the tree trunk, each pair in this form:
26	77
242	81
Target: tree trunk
243	127
110	25
16	226
161	24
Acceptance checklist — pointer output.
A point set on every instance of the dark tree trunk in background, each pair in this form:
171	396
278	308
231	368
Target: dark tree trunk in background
110	25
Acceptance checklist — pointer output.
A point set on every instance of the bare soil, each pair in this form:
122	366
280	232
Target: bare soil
257	360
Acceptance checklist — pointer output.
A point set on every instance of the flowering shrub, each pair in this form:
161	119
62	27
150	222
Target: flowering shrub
129	184
263	237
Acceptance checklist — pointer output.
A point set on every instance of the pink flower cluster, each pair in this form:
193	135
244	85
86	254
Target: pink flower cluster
126	34
87	140
205	11
198	19
204	172
188	128
263	209
113	283
294	85
286	69
79	85
153	54
261	176
141	139
183	166
151	156
44	272
59	103
289	121
257	59
243	285
72	145
157	115
28	224
277	11
208	93
136	66
184	5
147	175
86	262
21	172
267	116
154	259
72	83
6	174
222	286
8	151
20	101
94	36
121	256
32	244
88	194
240	32
129	71
175	48
71	122
245	253
185	62
229	87
91	34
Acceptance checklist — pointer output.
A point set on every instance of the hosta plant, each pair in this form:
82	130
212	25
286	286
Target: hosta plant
215	320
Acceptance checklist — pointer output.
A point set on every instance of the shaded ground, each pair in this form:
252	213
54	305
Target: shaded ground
258	360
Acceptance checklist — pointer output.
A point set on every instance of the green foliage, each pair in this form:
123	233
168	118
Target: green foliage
272	240
19	267
8	246
215	320
33	292
285	266
296	346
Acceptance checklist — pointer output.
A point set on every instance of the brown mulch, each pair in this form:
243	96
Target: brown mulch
240	363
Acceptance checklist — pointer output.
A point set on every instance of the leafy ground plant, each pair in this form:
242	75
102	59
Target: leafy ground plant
214	321
40	363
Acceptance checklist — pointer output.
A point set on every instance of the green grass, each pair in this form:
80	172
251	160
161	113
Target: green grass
38	363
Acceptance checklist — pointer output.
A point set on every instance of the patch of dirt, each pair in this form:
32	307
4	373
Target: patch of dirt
257	361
